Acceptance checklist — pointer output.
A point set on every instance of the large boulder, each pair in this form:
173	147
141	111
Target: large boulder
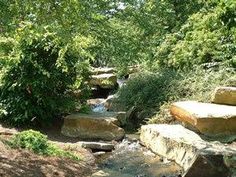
197	157
105	81
209	119
93	126
225	95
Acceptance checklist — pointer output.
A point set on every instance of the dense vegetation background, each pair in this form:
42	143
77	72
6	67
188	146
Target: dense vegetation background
184	48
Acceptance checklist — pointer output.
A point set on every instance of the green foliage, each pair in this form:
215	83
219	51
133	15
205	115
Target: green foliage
38	143
35	86
146	89
31	140
198	84
168	33
85	108
207	36
154	92
46	48
131	35
6	49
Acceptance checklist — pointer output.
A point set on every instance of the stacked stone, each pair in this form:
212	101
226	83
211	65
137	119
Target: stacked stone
104	78
212	119
198	157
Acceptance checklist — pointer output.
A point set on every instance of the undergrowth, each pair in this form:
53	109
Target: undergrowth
38	143
151	93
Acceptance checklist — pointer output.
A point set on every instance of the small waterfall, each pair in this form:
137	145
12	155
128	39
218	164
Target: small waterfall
100	108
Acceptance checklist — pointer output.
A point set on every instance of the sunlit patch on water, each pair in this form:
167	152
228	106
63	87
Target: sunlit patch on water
130	159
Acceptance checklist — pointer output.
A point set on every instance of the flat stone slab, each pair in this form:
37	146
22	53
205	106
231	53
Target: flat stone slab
93	126
106	81
225	95
97	145
197	157
209	119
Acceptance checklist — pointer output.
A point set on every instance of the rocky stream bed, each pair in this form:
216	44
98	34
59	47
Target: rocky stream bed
157	150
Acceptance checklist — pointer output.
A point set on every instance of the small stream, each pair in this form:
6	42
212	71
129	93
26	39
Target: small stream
130	159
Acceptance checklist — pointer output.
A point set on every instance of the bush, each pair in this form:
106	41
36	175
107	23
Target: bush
31	140
199	85
146	89
207	36
152	93
36	86
146	92
6	48
38	143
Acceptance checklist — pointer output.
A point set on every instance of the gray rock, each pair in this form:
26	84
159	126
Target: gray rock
97	145
197	157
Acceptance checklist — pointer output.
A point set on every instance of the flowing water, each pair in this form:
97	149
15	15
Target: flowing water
130	159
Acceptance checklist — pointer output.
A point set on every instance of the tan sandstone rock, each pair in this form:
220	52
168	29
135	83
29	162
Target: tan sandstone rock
197	157
92	126
104	70
209	119
106	81
225	95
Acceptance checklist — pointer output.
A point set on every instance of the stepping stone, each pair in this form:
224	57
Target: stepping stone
93	126
97	145
209	119
197	157
105	81
225	95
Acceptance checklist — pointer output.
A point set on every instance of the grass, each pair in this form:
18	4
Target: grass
38	143
152	92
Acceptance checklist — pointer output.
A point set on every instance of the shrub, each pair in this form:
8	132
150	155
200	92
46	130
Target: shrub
31	140
146	89
207	36
198	84
38	143
152	93
6	47
36	86
146	92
